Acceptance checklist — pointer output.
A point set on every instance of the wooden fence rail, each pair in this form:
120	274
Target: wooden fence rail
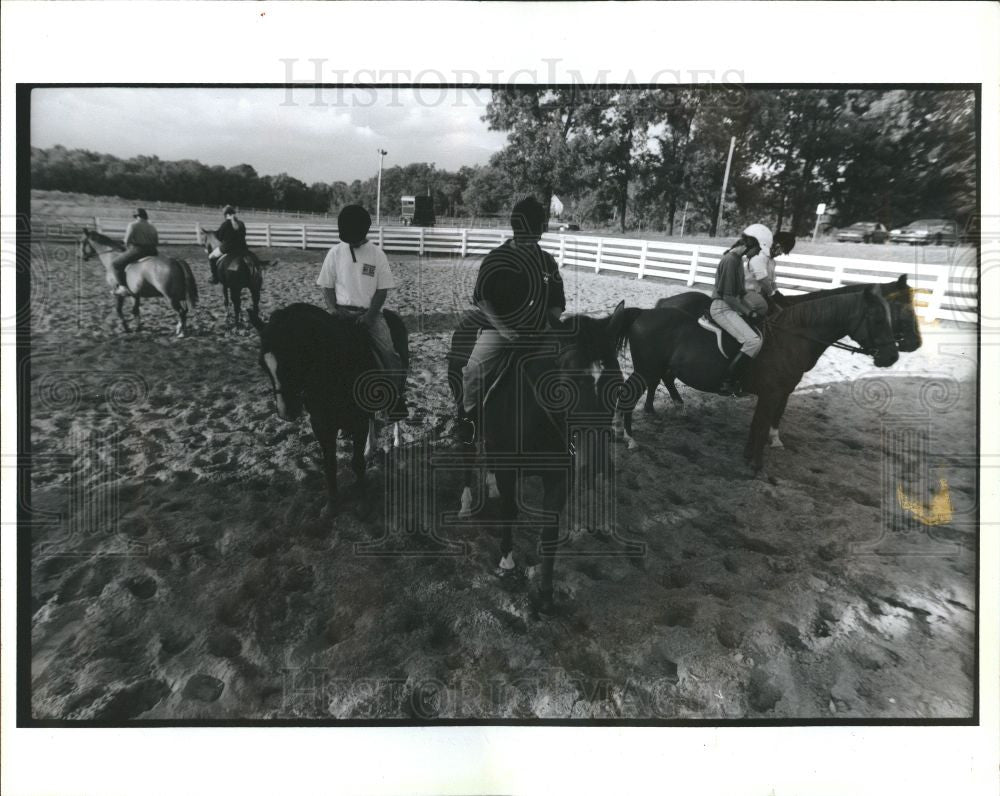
946	291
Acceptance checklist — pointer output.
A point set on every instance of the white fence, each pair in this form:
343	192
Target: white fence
946	291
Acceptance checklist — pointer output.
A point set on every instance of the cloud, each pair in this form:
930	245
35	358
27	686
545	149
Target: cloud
328	137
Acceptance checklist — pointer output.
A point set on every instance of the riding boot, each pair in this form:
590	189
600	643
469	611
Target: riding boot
122	289
731	383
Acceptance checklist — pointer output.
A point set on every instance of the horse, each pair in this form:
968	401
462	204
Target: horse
149	277
668	343
235	271
897	293
324	364
555	394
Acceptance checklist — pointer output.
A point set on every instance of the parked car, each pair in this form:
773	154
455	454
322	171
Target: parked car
863	232
927	230
565	226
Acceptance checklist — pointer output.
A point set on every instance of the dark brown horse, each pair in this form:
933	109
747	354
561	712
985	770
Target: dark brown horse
551	403
149	277
897	293
324	364
668	343
235	271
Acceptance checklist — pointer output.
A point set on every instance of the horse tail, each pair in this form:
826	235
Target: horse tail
190	285
631	313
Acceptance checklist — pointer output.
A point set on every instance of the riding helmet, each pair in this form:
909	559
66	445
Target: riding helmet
229	210
762	235
353	224
141	213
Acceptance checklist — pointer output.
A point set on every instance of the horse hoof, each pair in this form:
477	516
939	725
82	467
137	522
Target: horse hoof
464	513
633	445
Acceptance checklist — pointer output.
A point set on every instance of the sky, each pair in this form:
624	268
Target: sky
316	135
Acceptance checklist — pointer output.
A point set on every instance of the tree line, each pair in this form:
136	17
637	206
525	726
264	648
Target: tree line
633	158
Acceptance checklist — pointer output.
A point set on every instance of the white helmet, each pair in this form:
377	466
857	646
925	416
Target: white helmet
763	236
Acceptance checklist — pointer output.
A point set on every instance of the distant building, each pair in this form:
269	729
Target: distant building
555	207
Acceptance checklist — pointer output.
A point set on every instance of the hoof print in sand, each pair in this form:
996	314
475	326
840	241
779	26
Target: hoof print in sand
203	688
141	586
132	700
763	693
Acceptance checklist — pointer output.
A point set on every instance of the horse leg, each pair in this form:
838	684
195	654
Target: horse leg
119	305
779	410
554	502
225	297
135	314
759	427
358	466
236	307
326	433
182	313
633	387
669	383
507	484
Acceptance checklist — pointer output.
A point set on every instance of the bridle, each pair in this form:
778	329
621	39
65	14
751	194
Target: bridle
869	350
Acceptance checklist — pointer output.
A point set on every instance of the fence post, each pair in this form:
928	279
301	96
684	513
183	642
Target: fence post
465	241
197	233
562	250
421	241
838	275
97	223
597	256
381	237
303	237
693	271
642	259
937	294
267	234
501	239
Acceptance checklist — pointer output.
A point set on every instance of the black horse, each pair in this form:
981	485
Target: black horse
325	364
235	272
668	343
554	401
897	293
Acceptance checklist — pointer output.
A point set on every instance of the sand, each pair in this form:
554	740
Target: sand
180	569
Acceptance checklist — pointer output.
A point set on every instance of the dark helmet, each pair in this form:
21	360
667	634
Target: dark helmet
786	240
353	224
229	210
528	217
141	213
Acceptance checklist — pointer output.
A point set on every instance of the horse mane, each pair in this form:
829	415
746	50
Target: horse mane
101	238
821	309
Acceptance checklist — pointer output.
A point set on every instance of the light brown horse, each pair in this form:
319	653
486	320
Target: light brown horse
149	277
235	271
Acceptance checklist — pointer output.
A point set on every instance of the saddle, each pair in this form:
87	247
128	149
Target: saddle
727	344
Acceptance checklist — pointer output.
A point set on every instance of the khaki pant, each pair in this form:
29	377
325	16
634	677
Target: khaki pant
385	352
486	354
130	255
733	322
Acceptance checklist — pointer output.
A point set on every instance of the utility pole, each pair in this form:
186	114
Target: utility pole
378	191
684	217
725	181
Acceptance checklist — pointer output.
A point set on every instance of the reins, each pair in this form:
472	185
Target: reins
831	343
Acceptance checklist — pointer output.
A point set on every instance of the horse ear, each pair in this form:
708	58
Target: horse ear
901	282
255	320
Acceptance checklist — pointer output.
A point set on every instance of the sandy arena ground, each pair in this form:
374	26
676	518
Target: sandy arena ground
180	570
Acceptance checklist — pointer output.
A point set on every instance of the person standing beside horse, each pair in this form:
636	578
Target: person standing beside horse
356	278
729	308
520	292
141	240
232	235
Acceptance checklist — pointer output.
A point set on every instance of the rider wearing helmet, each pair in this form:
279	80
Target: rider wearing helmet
232	235
356	279
760	282
141	240
729	307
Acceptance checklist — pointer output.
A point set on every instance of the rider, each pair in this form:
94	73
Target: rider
760	282
141	240
520	291
356	279
729	307
232	235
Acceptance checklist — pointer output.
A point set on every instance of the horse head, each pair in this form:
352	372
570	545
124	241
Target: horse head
282	361
85	249
900	295
587	376
875	331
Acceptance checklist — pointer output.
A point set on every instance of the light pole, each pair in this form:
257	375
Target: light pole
378	192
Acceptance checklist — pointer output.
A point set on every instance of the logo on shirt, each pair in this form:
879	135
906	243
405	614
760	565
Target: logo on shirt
368	269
